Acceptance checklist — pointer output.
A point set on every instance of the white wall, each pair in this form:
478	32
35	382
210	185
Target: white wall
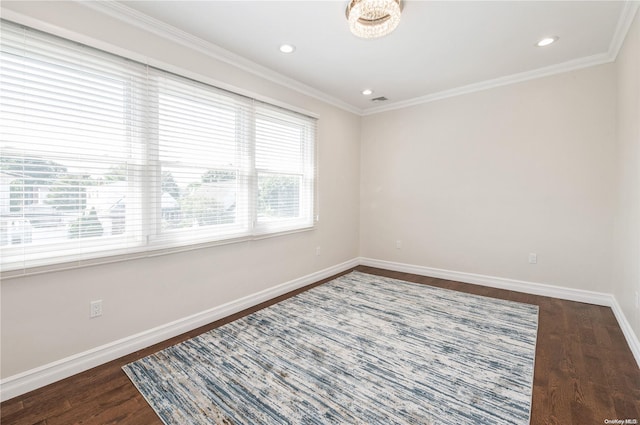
626	276
476	182
45	317
472	183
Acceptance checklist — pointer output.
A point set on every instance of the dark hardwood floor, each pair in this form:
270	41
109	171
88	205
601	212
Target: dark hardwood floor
585	372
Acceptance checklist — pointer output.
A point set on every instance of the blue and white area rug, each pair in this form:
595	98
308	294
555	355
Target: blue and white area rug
361	349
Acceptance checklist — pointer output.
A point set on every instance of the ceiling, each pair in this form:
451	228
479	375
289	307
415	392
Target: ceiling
439	48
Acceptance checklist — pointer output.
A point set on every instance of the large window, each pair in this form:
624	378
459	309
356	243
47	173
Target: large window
103	156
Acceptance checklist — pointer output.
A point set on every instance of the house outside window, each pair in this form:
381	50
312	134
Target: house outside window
103	156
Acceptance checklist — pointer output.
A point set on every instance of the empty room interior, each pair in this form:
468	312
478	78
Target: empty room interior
320	212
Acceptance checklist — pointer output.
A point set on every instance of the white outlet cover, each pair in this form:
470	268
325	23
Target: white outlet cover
96	309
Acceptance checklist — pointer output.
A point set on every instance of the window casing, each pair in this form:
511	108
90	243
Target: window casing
103	156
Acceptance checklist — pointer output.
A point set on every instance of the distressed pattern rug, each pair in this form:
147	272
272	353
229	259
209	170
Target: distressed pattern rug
361	349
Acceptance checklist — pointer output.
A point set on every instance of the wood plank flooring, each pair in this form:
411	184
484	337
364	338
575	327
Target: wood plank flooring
584	372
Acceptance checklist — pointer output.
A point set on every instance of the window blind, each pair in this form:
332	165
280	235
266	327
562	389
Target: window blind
202	146
284	168
71	150
104	156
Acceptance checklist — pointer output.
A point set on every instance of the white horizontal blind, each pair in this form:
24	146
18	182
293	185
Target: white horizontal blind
70	150
102	156
202	146
284	168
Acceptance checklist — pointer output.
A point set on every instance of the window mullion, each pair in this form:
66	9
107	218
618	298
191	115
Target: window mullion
252	186
152	176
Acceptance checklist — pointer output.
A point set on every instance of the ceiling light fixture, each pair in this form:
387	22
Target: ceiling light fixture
373	18
367	92
287	48
546	41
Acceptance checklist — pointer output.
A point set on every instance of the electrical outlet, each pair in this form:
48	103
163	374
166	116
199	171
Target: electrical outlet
317	251
637	299
398	244
533	258
96	309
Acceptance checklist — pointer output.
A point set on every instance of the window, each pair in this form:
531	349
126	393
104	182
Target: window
203	150
102	156
284	169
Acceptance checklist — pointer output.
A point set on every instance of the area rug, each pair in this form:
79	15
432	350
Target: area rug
361	349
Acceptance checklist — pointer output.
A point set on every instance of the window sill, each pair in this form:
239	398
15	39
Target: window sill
146	252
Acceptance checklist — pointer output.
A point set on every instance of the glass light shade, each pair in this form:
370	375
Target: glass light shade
373	18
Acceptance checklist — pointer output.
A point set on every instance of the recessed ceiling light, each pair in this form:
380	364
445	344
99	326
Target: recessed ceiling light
367	92
287	48
546	41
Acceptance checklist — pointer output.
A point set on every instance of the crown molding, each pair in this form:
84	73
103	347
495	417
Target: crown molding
560	68
624	23
140	20
625	20
159	28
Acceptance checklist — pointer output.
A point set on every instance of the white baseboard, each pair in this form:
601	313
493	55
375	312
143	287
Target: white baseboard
580	295
24	382
629	334
44	375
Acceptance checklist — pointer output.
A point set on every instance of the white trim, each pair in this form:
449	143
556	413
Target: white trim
622	28
629	11
38	377
533	288
579	295
140	20
560	68
630	336
95	43
29	380
141	253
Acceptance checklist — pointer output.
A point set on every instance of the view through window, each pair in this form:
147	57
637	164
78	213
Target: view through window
100	155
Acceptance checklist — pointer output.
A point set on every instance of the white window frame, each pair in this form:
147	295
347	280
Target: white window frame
148	239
